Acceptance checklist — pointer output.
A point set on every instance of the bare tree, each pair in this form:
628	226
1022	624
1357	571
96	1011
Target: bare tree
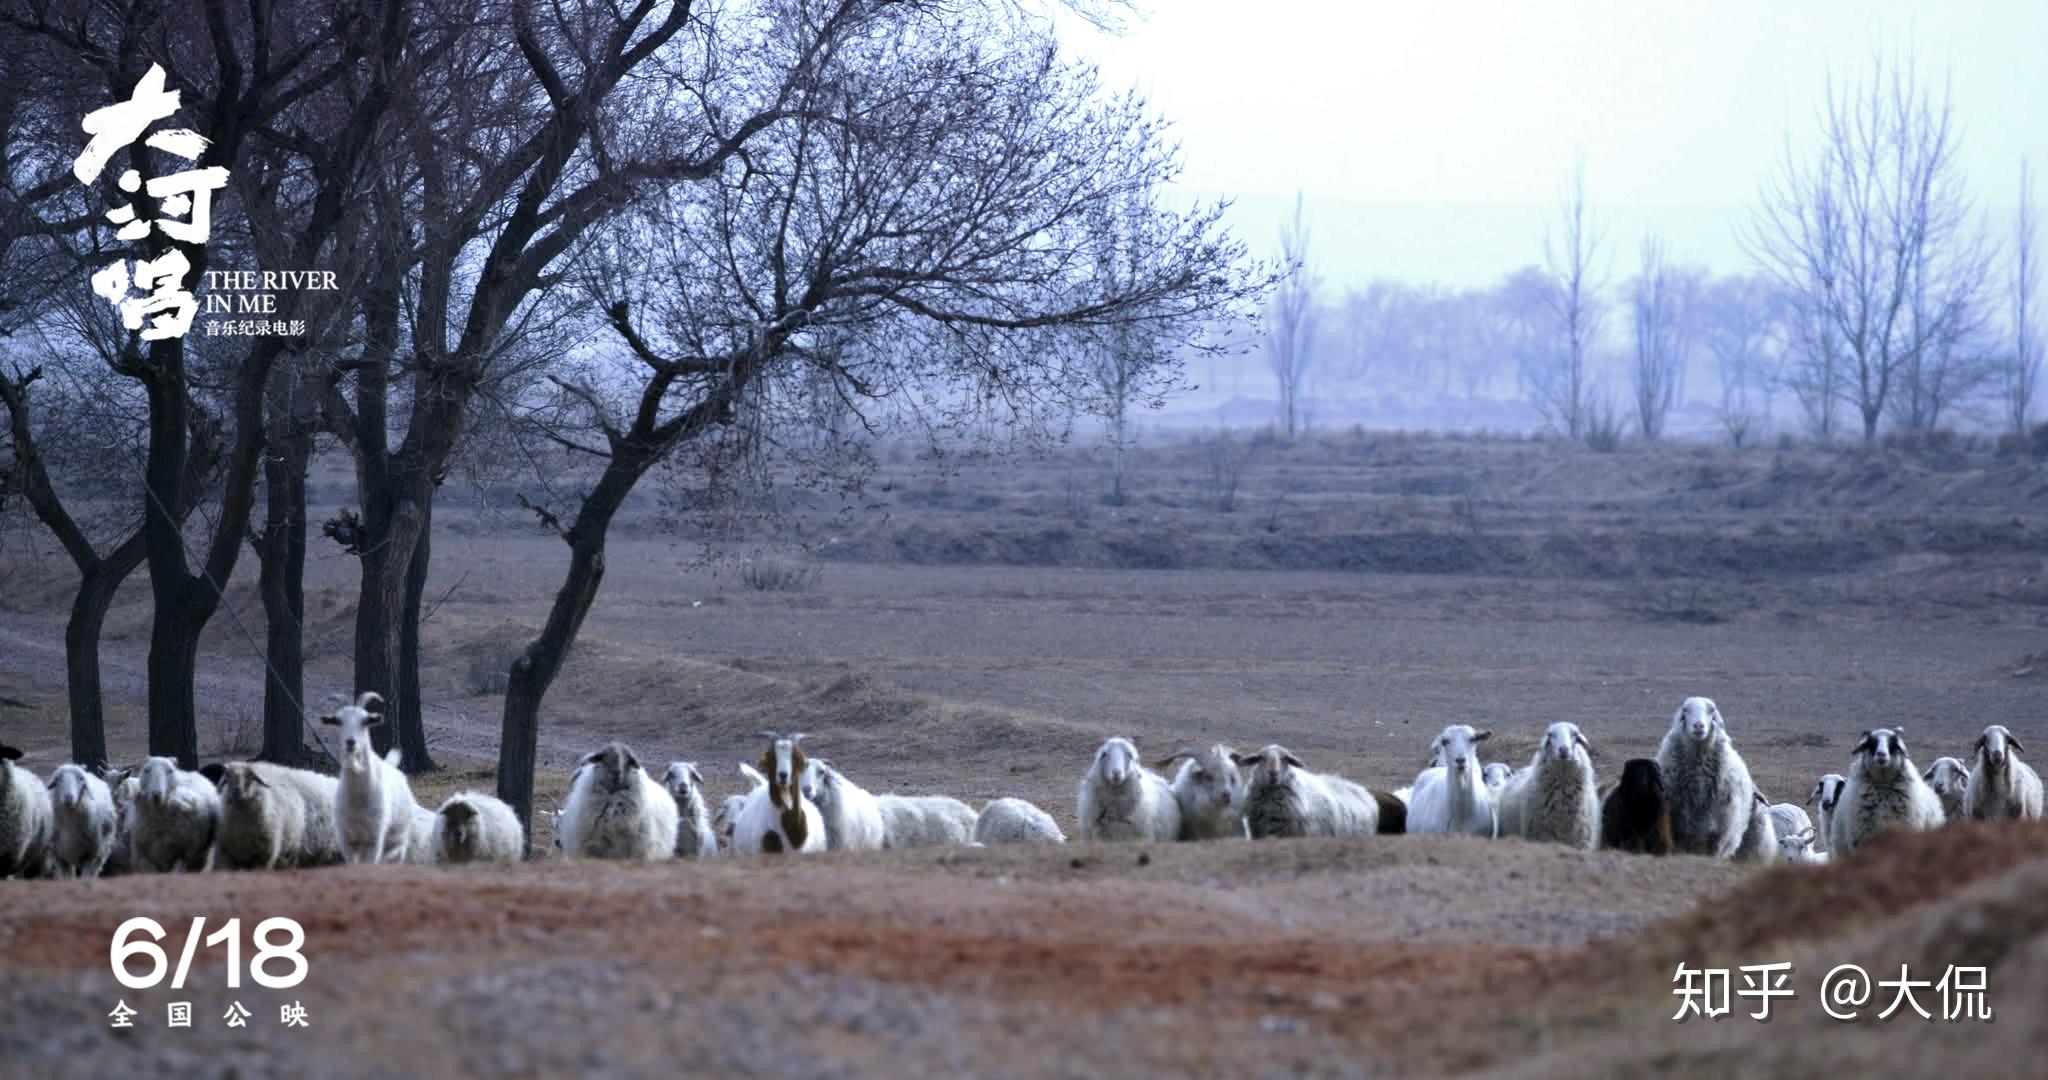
2023	368
1291	322
927	204
1658	305
1742	324
1564	388
1871	237
1128	363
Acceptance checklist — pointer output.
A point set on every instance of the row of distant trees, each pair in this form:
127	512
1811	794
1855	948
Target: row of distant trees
1878	296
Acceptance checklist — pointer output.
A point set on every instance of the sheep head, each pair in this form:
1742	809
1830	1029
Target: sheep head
1883	751
1270	764
1116	761
1212	772
1827	791
1993	745
783	764
241	785
460	818
67	785
1564	741
613	767
681	779
1698	717
1456	748
355	722
1946	776
159	780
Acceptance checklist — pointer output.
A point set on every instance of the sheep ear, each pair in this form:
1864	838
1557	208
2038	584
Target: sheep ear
9	753
1169	759
1483	736
214	771
1580	738
1288	757
252	777
2014	742
631	761
797	738
690	769
1869	742
1245	759
1928	775
331	720
374	718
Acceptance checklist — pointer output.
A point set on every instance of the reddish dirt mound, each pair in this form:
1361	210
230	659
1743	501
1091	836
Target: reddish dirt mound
1898	871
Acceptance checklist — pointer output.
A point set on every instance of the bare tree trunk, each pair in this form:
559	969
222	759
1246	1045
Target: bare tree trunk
412	737
282	551
536	667
96	588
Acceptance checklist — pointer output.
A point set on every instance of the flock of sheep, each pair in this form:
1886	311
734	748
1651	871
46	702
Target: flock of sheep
1695	797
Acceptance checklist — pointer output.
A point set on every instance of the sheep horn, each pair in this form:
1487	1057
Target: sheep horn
364	700
1169	759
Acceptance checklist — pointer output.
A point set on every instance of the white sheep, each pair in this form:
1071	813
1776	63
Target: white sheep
1210	789
729	811
1283	798
26	824
82	820
1795	833
175	820
1120	799
1883	791
474	827
2002	787
1014	821
1450	794
272	816
910	821
1760	838
1495	775
852	815
694	837
1827	794
1787	819
1555	798
1706	782
419	836
776	817
373	799
616	810
1950	779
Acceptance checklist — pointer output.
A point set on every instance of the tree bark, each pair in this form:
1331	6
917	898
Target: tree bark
282	581
412	727
96	588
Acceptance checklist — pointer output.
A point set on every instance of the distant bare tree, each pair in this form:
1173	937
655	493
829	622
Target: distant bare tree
1291	322
1128	364
1741	322
1658	306
1564	389
1872	239
2023	368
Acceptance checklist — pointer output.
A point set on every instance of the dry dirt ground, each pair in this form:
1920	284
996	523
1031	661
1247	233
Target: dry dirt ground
977	628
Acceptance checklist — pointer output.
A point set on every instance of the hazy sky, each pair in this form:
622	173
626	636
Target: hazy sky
1430	137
